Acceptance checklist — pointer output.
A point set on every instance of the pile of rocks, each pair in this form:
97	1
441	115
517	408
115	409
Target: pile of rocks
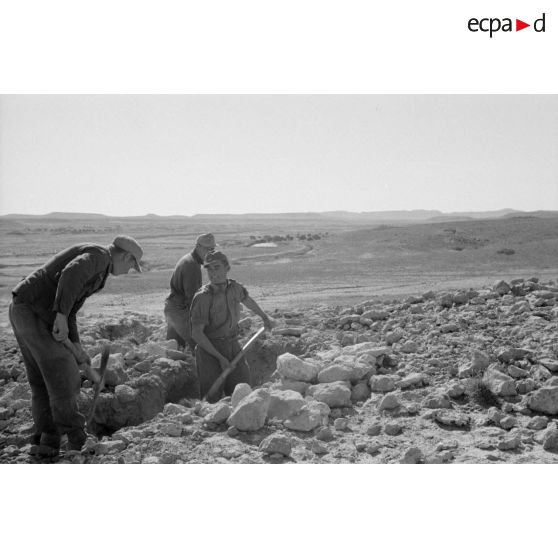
464	376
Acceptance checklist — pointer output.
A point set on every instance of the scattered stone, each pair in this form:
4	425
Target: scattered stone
499	383
456	390
335	394
325	434
412	456
550	364
360	392
452	418
501	288
240	392
171	409
341	372
538	423
394	336
437	401
143	366
283	404
250	414
374	429
300	387
540	373
544	400
508	422
292	367
516	372
480	361
526	386
318	447
511	443
373	449
550	440
172	429
276	443
393	428
311	416
389	402
509	355
375	315
409	347
341	424
218	414
109	446
125	393
383	383
412	380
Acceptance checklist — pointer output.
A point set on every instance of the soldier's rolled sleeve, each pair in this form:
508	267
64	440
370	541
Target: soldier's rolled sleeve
71	282
242	292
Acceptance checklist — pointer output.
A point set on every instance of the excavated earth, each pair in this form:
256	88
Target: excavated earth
447	377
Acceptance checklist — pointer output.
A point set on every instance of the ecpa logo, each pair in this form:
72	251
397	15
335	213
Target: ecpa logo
492	25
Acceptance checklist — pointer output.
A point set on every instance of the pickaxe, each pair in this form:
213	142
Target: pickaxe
225	373
98	377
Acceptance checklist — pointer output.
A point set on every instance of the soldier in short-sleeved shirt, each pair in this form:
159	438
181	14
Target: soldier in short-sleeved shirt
214	317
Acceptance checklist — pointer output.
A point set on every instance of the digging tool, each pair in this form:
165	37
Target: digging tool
98	377
221	379
99	385
90	372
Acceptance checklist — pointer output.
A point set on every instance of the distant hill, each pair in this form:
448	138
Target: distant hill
58	216
362	217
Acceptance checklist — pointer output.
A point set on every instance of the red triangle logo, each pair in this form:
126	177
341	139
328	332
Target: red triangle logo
519	25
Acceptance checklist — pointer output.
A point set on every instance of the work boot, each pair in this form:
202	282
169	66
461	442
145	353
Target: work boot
40	450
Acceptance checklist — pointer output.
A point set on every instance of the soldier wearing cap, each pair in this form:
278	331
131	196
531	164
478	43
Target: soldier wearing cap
43	315
185	281
214	317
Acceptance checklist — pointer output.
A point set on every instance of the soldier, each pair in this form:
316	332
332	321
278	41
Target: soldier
185	281
214	317
43	316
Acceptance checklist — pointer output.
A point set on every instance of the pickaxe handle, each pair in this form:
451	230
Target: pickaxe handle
223	376
99	386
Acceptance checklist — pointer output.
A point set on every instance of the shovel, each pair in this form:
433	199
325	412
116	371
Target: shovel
223	376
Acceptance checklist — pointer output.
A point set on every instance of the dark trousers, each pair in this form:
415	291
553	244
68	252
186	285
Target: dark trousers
54	378
209	368
178	325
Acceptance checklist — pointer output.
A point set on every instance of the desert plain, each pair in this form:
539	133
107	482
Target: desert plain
414	337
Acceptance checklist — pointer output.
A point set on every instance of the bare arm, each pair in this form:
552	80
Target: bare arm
251	304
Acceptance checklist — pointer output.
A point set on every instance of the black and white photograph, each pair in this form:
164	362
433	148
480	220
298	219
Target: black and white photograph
279	279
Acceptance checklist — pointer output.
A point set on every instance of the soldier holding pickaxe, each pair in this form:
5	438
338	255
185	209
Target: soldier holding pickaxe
43	317
214	317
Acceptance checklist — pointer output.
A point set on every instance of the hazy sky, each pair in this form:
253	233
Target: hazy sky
132	155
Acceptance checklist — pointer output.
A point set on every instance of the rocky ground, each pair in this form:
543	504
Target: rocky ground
448	377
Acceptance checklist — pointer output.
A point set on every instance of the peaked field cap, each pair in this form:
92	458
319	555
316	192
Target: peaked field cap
131	246
206	240
215	256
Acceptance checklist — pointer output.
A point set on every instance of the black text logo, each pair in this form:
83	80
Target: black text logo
493	25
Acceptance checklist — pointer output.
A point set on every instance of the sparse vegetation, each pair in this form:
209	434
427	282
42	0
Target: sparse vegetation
480	393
